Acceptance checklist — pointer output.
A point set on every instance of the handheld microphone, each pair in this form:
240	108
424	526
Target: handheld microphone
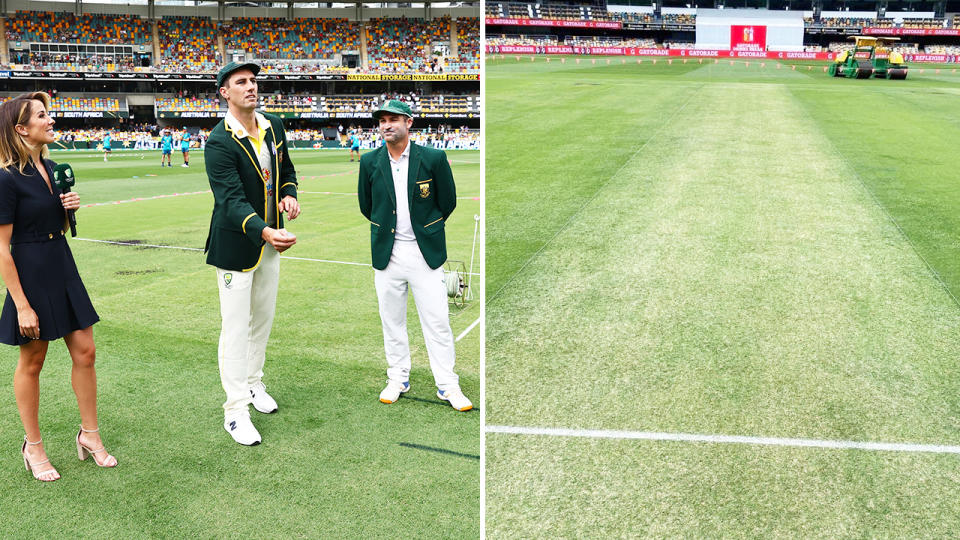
63	178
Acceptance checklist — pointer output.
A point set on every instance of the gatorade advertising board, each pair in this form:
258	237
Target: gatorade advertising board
748	38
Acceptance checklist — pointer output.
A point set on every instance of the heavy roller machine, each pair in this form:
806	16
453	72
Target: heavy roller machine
870	57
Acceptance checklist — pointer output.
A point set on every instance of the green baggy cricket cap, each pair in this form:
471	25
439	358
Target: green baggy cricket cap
226	70
394	106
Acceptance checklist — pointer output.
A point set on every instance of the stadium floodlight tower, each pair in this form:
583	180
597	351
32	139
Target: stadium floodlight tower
869	58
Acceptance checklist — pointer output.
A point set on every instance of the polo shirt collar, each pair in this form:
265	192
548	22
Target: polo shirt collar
403	155
237	128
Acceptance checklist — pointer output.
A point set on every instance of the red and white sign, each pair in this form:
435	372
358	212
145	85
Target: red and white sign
748	38
933	58
612	25
693	53
911	31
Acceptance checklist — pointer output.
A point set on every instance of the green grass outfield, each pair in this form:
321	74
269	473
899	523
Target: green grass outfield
335	463
705	251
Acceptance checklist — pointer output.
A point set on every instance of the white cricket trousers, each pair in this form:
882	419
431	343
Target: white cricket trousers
247	304
408	270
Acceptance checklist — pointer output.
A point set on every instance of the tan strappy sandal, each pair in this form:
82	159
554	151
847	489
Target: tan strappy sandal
83	451
43	476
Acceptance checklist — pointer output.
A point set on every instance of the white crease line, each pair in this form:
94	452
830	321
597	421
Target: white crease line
469	328
734	439
322	260
198	249
475	198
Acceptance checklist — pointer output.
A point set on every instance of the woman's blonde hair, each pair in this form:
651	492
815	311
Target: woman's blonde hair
14	151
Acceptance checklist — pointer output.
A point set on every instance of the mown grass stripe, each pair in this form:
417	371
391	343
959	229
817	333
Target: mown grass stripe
573	217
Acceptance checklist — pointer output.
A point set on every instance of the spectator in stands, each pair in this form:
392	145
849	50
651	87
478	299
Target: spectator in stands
40	274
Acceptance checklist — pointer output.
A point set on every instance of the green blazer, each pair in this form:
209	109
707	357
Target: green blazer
431	196
240	194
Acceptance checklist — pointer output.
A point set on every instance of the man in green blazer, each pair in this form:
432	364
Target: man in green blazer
407	193
253	184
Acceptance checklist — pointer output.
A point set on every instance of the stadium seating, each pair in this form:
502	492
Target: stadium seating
636	18
609	41
925	23
301	66
187	44
303	45
558	12
190	104
513	39
400	45
273	103
847	22
680	19
65	103
119	135
51	27
519	11
296	39
77	62
940	49
902	48
468	45
596	14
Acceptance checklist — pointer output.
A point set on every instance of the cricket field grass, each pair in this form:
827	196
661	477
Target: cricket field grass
334	463
708	286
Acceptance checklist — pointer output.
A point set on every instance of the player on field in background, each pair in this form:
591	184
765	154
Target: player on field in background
166	148
107	141
355	143
185	147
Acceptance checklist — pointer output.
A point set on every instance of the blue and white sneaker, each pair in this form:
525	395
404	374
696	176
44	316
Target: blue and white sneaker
393	390
242	430
261	400
456	399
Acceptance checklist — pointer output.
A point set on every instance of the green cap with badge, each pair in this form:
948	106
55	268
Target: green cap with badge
226	70
394	106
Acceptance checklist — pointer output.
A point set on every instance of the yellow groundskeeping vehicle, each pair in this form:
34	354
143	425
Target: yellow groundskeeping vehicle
870	57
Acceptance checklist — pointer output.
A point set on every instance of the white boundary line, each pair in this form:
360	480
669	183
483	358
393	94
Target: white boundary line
725	439
181	248
469	328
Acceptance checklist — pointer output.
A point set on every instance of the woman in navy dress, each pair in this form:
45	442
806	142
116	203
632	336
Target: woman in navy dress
45	300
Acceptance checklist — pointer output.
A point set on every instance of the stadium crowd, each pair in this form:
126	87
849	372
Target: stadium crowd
51	27
302	45
405	45
296	39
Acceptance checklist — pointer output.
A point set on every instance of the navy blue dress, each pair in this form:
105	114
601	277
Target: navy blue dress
44	262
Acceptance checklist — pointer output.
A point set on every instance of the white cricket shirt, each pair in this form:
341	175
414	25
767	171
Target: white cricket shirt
398	168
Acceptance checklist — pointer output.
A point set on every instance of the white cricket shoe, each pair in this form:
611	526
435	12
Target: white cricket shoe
242	430
262	400
456	399
184	165
393	390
